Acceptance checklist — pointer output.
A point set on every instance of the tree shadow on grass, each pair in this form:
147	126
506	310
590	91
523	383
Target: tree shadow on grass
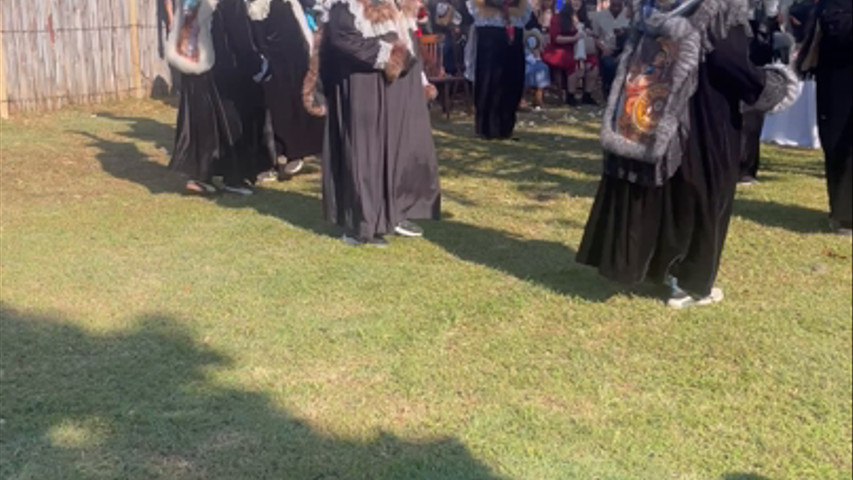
141	404
794	218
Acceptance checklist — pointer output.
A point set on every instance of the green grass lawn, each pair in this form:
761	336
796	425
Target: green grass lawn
149	334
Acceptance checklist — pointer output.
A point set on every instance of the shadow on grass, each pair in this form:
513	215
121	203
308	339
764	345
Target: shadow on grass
789	217
140	404
539	165
743	476
550	264
547	263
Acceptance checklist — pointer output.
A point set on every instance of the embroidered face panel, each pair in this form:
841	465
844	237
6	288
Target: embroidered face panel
647	88
188	31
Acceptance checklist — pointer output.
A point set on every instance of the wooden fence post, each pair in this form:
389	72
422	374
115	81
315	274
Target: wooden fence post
4	96
135	68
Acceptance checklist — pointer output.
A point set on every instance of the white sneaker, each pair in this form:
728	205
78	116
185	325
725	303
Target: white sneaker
408	229
685	300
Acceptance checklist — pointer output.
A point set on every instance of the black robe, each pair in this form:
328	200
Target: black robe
280	38
498	81
220	123
379	165
760	53
834	77
637	231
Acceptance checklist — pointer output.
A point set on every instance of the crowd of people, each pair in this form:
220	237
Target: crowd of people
268	83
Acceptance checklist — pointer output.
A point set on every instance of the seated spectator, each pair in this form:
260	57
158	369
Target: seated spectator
453	22
537	74
566	52
610	28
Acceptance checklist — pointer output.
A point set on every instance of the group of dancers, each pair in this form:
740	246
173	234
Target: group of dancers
272	81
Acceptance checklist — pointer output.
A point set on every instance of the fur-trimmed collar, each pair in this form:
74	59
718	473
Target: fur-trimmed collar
694	29
259	10
375	18
206	54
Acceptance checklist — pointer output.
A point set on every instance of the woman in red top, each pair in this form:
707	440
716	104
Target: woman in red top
567	28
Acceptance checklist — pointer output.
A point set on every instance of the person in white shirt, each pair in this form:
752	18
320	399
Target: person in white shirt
610	28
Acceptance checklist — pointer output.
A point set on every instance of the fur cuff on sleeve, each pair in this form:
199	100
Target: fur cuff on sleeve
397	61
781	89
430	92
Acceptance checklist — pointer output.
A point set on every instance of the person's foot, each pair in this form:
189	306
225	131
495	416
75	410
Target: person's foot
293	167
268	176
588	100
844	229
375	242
681	299
238	189
571	100
747	180
199	187
408	229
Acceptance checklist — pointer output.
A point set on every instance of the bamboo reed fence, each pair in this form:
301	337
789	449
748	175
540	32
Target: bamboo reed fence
60	52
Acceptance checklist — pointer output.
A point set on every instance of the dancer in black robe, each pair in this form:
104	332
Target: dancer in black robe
220	116
827	53
763	25
285	38
379	166
663	206
499	70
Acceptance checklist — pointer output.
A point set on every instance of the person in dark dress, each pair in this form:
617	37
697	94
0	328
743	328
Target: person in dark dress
763	25
220	115
499	70
284	36
671	135
827	53
379	165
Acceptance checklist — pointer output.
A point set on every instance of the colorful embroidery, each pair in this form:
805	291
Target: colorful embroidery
647	88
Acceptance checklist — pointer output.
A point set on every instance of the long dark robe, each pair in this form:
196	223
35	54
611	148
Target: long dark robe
834	76
750	153
379	165
297	133
637	231
760	53
220	123
498	81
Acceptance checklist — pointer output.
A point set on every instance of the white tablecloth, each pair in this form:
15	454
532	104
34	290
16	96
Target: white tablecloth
795	126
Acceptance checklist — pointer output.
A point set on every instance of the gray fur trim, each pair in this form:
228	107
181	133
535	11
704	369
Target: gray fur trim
695	32
781	89
792	85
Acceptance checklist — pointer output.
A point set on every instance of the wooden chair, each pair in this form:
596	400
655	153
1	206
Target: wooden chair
433	61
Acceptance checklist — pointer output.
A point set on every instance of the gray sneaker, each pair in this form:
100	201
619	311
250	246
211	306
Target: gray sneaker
293	167
408	229
685	300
